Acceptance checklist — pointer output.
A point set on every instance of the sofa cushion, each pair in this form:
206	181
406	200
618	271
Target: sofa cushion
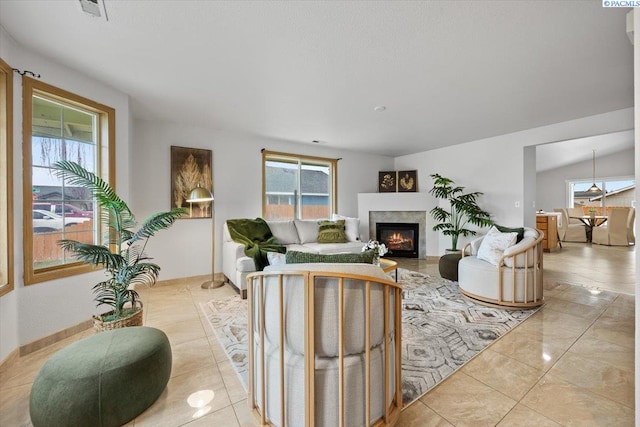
334	248
351	227
294	257
276	258
331	232
307	230
284	231
494	244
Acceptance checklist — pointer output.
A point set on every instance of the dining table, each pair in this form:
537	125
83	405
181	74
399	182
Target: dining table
590	221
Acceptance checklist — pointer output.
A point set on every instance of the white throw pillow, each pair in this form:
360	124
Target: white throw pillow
351	226
494	244
276	258
307	230
284	231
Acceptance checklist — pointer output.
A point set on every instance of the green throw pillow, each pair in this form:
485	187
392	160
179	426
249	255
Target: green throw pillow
332	232
519	230
295	257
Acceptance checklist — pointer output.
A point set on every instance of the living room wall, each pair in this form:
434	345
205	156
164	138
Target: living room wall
495	166
31	312
551	184
185	249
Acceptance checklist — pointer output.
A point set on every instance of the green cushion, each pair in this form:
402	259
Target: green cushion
519	230
105	380
295	257
332	232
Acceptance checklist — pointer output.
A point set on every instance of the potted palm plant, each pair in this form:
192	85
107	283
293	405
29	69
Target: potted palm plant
463	210
122	253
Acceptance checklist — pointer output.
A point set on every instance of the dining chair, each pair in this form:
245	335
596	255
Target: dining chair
614	231
571	230
631	237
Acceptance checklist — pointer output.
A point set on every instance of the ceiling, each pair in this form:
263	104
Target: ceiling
563	153
447	72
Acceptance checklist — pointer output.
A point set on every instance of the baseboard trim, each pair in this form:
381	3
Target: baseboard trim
54	338
203	277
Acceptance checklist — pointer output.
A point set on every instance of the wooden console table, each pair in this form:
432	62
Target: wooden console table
548	224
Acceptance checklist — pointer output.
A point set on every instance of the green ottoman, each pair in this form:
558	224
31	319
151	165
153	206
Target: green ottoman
448	266
104	380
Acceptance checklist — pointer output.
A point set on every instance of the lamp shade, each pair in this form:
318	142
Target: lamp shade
200	194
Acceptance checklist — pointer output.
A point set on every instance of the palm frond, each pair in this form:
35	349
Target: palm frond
95	255
75	174
157	222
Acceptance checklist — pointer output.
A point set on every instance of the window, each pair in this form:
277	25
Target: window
6	178
58	125
300	187
615	192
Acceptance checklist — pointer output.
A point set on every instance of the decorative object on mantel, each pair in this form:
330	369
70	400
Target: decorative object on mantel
191	168
408	181
128	264
387	182
463	210
379	249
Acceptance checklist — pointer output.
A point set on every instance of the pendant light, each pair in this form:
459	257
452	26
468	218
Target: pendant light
594	188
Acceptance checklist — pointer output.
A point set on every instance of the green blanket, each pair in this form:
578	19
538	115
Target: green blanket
257	239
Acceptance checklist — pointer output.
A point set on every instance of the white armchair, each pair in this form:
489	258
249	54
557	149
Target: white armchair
515	282
324	345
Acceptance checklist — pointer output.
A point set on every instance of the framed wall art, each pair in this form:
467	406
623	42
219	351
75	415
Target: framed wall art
387	182
407	181
190	168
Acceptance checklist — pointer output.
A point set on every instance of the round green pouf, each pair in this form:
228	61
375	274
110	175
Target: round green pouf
104	380
448	266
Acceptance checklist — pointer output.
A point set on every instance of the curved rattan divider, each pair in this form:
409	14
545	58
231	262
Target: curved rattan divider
392	409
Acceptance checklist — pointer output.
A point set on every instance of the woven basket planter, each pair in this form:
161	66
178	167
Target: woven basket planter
134	319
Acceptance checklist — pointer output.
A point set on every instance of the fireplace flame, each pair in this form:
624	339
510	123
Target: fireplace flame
399	242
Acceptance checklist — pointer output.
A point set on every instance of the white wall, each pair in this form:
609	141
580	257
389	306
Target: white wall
185	249
31	312
495	166
551	184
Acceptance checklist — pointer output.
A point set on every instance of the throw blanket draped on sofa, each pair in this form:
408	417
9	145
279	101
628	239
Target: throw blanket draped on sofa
257	239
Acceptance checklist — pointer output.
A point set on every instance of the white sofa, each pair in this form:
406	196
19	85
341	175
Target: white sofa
517	280
296	235
318	344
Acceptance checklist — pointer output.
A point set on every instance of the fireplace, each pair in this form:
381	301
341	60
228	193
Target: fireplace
401	238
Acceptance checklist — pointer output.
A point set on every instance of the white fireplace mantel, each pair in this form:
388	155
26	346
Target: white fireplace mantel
390	202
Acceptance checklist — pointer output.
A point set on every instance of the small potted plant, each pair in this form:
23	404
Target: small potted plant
122	255
463	210
379	250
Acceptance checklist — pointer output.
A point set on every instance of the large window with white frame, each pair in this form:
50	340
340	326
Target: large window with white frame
298	187
614	192
6	178
59	125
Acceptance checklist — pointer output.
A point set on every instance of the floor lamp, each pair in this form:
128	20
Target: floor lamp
199	195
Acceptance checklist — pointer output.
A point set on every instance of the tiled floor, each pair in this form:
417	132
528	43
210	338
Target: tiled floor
572	363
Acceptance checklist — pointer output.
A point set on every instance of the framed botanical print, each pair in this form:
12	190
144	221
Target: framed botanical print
407	181
191	168
387	182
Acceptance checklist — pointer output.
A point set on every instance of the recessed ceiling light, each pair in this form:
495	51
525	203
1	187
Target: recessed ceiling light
379	108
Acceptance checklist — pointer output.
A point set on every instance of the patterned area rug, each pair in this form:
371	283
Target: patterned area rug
441	330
